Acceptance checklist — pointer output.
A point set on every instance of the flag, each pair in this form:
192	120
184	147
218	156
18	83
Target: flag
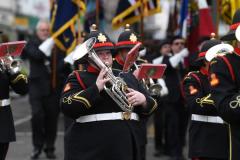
64	14
183	18
129	11
206	26
228	8
200	23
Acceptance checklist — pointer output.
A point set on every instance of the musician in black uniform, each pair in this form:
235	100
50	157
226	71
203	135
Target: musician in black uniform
225	84
9	76
126	41
101	130
208	137
173	102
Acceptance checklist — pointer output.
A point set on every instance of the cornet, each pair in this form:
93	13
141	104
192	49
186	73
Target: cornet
8	51
117	89
7	63
152	87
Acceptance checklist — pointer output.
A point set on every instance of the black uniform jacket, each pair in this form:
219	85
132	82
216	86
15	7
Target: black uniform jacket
118	65
225	82
18	83
39	76
172	77
206	139
102	140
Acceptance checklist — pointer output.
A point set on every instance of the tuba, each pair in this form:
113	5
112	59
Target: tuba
117	89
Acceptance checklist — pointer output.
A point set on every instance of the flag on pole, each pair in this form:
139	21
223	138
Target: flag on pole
228	8
129	11
200	23
64	14
184	18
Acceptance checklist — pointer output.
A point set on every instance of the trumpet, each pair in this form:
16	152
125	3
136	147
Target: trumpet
117	89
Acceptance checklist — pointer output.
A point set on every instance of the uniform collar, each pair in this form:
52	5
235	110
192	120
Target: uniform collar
119	59
92	69
204	71
237	51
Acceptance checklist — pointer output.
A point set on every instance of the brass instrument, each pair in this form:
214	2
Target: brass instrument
152	87
7	63
117	89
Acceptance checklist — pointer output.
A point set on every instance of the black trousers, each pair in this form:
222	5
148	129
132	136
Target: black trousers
3	150
173	129
45	112
159	127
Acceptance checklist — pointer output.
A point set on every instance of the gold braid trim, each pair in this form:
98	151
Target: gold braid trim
76	97
153	108
20	76
205	100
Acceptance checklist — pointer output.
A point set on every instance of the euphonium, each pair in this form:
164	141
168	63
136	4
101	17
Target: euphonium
118	88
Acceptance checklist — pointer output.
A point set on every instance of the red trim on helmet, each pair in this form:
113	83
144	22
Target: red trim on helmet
234	26
107	44
237	51
202	54
126	43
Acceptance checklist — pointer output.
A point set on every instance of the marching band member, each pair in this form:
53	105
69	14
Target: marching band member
100	124
10	76
126	41
208	137
225	83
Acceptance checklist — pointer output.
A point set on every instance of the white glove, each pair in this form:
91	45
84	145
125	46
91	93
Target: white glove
142	52
164	90
178	57
184	52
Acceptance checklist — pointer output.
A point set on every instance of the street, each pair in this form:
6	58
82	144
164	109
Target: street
22	148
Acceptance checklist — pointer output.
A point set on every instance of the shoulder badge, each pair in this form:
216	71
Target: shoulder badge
214	79
67	87
192	90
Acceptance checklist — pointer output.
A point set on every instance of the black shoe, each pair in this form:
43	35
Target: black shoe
36	153
50	155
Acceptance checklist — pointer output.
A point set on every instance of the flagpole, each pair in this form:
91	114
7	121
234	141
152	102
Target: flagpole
97	13
218	18
142	21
